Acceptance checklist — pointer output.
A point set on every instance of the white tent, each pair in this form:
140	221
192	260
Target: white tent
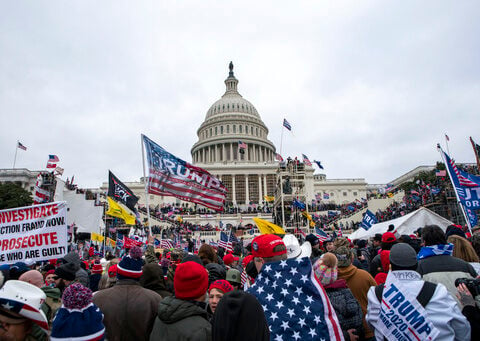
407	224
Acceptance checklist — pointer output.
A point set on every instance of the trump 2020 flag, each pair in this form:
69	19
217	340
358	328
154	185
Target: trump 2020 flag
368	220
295	305
171	176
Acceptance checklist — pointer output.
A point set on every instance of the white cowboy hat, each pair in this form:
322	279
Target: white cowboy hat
294	250
24	299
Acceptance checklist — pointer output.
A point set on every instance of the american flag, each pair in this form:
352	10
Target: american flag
242	145
464	178
295	305
171	176
278	157
226	241
306	160
212	243
166	244
441	173
21	146
287	125
321	235
53	158
244	278
40	195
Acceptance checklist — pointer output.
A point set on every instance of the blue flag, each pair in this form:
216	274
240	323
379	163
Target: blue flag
299	204
296	306
368	220
319	164
466	185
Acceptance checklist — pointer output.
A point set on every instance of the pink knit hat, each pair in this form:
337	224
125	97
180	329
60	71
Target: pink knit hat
33	277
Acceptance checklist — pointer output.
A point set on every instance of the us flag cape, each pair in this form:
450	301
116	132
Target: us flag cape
171	176
295	305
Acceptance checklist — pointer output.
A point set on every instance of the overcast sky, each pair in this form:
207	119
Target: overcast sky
369	87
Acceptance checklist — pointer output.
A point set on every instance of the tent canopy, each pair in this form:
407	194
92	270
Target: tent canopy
407	224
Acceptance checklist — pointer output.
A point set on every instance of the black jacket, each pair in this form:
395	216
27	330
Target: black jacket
180	320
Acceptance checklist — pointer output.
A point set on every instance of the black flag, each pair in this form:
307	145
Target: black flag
119	192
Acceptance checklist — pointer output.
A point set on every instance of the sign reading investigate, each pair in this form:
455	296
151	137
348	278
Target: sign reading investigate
34	232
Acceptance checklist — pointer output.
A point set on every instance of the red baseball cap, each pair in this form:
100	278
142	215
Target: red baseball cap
388	237
229	259
247	260
268	245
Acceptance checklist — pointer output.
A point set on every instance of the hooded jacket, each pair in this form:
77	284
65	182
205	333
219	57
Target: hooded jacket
359	281
129	310
80	275
445	270
441	310
152	279
180	320
348	310
239	317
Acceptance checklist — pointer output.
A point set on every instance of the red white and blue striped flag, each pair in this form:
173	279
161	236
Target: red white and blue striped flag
171	176
287	125
21	146
306	160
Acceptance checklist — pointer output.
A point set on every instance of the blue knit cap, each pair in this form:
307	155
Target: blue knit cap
131	265
78	318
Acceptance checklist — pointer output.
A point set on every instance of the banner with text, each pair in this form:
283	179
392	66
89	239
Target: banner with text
34	232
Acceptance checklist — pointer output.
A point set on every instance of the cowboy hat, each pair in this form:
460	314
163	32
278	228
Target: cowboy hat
24	300
294	250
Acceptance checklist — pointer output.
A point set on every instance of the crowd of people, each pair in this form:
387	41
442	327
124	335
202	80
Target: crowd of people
273	288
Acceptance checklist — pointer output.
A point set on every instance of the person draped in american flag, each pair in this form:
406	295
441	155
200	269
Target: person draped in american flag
295	304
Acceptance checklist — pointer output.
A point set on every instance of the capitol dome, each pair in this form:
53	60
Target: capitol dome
230	121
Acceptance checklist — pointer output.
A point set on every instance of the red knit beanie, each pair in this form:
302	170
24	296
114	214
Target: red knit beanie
221	285
190	281
97	268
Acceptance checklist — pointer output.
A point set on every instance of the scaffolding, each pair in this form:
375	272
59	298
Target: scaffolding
290	186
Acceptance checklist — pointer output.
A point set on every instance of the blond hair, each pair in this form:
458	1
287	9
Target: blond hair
463	249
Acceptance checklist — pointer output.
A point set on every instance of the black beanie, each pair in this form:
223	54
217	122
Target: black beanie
66	271
312	239
239	316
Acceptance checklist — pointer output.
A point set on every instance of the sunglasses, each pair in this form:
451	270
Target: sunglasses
55	277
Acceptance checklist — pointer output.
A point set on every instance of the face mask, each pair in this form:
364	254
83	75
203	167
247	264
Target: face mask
251	270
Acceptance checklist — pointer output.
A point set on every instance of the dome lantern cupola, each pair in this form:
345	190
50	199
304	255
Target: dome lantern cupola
231	82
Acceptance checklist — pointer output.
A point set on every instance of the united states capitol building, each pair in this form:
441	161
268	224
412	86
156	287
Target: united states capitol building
249	174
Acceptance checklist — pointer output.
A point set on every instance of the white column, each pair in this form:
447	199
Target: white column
247	197
224	155
260	196
216	154
231	151
254	154
234	197
265	184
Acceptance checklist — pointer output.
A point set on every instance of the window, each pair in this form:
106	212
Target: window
216	130
251	130
234	128
256	131
332	194
355	193
240	129
210	132
344	194
228	129
221	130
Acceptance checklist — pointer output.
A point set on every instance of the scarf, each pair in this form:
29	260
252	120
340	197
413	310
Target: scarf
435	250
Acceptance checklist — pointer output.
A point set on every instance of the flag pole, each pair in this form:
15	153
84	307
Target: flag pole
145	180
281	141
446	142
105	227
15	158
454	188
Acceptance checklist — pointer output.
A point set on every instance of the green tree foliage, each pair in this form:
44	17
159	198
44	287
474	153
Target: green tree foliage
13	195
